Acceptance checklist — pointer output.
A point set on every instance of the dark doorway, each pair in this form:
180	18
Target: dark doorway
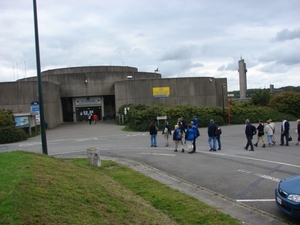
67	108
109	107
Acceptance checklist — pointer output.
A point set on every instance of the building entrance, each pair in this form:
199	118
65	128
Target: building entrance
83	112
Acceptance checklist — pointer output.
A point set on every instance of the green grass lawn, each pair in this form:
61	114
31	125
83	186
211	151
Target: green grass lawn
39	189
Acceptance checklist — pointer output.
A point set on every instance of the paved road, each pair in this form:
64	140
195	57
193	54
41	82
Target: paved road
243	180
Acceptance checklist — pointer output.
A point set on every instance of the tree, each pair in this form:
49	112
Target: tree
286	102
261	97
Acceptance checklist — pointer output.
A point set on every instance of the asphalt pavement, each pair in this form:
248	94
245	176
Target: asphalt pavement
220	179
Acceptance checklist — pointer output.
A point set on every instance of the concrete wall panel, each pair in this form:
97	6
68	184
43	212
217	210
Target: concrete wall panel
198	91
17	96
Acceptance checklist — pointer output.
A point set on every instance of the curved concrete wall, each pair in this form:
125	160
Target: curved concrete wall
125	83
91	81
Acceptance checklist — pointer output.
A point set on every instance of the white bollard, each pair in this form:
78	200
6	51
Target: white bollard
94	157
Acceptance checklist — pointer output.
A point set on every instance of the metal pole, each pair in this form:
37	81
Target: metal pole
38	67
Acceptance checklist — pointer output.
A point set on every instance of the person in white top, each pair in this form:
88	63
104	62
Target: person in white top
269	130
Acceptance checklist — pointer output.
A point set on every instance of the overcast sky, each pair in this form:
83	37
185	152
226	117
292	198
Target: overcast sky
191	38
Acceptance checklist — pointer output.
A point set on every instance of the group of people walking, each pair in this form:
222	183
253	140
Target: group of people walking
269	130
186	134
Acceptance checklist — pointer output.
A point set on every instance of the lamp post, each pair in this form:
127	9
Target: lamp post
223	107
38	66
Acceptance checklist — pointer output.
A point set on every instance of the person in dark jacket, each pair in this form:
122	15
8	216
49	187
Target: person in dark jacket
298	131
153	133
249	131
177	137
181	127
218	135
285	132
211	131
166	132
260	133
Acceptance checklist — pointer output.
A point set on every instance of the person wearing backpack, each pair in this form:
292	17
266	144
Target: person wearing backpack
285	132
260	136
269	130
177	137
218	133
250	130
189	138
166	132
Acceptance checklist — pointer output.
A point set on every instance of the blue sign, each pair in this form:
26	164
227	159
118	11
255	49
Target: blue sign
35	103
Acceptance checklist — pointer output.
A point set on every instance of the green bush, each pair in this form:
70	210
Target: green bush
139	116
12	134
8	130
287	102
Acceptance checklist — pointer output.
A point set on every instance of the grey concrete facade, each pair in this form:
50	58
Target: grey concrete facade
70	93
17	96
198	91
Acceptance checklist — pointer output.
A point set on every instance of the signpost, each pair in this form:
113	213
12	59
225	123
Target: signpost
161	118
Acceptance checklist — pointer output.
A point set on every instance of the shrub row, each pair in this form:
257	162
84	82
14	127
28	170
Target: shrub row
139	116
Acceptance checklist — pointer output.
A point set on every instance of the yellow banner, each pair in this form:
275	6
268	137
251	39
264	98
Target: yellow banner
161	92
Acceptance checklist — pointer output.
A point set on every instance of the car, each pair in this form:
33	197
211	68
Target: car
287	195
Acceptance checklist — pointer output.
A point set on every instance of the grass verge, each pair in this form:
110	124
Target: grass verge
39	189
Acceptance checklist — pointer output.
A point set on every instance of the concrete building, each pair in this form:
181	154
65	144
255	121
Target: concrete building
243	79
70	94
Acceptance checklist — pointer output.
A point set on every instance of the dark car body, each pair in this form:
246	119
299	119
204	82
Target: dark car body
287	196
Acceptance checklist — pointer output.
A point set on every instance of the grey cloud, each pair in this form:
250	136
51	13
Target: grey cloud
286	34
274	68
179	53
230	66
289	56
197	65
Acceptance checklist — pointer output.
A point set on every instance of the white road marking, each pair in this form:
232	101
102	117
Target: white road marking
254	159
255	200
148	153
260	175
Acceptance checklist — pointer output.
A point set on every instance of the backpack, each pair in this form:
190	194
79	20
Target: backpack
166	130
219	131
179	134
253	130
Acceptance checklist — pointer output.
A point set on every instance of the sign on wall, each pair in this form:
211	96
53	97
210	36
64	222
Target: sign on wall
35	107
88	101
161	92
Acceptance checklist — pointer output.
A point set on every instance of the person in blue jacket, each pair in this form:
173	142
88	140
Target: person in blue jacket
196	133
189	138
195	121
177	137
